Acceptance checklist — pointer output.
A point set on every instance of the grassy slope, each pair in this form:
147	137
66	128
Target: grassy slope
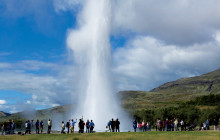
127	135
172	93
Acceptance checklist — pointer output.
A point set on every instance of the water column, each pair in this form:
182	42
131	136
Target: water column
91	47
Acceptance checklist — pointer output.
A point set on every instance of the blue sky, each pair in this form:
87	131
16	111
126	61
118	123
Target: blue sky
27	37
151	44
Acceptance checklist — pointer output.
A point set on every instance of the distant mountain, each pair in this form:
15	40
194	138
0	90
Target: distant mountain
3	114
172	93
45	114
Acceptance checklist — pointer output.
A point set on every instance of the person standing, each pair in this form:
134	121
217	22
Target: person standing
166	124
117	125
176	124
62	127
135	125
37	124
12	127
49	123
3	128
143	126
215	124
109	126
73	125
9	126
207	124
148	126
68	126
92	125
29	127
81	126
113	125
182	125
158	124
26	127
87	126
41	126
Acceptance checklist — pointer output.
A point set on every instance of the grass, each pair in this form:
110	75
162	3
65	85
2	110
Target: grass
192	135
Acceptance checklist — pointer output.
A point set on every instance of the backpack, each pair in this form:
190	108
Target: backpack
67	124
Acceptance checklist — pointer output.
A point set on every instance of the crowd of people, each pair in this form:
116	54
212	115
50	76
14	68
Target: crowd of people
172	125
143	126
8	128
113	126
70	125
39	126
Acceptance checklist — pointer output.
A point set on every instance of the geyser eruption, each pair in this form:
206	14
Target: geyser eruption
92	53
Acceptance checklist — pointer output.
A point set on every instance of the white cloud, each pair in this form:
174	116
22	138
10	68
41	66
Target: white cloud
47	83
28	102
182	22
176	22
64	5
2	102
146	62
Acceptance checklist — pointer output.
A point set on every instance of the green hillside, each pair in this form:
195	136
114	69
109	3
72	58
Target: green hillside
207	83
172	93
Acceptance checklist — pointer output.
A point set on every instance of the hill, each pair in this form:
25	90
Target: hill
3	114
172	93
207	83
45	114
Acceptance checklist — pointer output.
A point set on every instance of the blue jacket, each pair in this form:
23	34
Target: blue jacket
37	124
92	124
135	124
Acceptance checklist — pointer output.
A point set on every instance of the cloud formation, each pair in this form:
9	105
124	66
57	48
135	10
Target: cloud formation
2	102
182	22
48	84
146	62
